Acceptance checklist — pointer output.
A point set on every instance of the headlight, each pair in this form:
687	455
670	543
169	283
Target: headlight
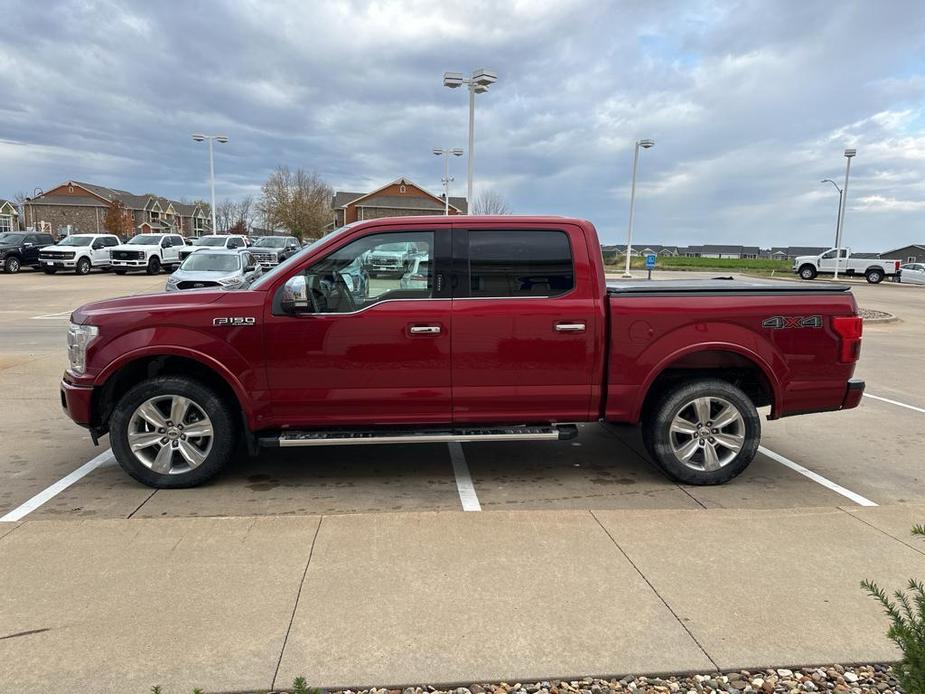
230	281
78	339
172	280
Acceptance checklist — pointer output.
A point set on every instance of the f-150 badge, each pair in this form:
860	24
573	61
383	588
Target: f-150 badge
232	321
778	322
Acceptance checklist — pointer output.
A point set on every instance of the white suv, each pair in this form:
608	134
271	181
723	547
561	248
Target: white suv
149	252
78	252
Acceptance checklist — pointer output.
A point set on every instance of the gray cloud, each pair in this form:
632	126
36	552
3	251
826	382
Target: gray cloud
750	103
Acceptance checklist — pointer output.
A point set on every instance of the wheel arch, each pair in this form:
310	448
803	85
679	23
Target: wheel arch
728	362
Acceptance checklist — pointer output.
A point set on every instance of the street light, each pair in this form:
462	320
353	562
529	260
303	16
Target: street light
645	144
839	233
220	138
838	216
445	153
478	83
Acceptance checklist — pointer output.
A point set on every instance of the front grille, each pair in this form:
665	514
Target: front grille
196	284
264	257
379	260
56	255
128	255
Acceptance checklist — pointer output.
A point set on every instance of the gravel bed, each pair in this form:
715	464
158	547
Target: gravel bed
871	314
861	679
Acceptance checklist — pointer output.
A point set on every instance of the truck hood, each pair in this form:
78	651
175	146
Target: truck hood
100	312
134	247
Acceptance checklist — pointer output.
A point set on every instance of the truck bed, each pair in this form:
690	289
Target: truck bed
719	286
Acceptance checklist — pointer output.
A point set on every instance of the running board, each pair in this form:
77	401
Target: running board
287	439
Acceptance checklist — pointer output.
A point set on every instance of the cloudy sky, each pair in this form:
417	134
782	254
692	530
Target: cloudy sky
750	104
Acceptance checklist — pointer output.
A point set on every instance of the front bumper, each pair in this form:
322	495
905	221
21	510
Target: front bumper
58	263
129	263
77	402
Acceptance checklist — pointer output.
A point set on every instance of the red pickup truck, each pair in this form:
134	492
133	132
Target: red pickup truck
498	329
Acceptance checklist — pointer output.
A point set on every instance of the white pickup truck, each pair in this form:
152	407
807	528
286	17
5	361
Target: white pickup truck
149	252
78	252
874	269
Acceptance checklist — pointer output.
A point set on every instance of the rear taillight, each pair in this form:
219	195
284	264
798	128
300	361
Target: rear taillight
849	329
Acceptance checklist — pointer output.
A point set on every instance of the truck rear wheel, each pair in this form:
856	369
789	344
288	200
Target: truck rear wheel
808	272
172	432
704	432
874	275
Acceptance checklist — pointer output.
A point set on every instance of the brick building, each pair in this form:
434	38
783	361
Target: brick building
400	198
82	207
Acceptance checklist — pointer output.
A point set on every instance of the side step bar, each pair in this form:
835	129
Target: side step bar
549	432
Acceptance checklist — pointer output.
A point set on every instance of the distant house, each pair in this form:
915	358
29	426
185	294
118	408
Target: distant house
913	253
82	207
9	216
400	198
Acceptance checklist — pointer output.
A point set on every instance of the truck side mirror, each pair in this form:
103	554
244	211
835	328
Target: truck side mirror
295	296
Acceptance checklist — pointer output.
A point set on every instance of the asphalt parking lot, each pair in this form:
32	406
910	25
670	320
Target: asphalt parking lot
871	455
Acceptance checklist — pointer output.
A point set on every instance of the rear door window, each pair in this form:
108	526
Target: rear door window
520	263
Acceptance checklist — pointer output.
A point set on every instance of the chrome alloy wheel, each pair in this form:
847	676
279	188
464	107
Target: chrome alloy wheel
170	434
707	433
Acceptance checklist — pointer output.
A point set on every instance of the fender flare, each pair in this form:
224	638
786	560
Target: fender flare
755	358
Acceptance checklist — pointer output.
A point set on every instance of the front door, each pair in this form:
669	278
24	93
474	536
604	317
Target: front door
371	350
526	325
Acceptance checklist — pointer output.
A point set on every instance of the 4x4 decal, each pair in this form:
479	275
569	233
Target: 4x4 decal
779	322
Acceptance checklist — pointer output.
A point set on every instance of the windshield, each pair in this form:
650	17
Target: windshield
211	262
76	241
11	238
271	242
210	241
295	258
145	240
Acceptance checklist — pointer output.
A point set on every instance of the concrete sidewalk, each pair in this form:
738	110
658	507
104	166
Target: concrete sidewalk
240	604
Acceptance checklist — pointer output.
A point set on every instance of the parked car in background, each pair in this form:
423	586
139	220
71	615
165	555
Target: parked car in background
149	252
270	251
418	274
230	241
912	273
874	269
21	248
78	252
390	260
215	268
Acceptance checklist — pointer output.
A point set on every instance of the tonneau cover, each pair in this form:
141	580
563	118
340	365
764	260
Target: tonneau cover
720	286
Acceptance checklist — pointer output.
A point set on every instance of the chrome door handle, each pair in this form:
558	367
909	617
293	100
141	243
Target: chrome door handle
424	329
570	327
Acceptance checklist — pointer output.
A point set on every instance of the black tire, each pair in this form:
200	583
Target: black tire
49	270
808	272
83	266
874	275
154	265
12	265
657	434
120	271
218	410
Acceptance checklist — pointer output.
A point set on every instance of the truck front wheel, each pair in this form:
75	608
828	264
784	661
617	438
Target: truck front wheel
83	266
808	272
874	276
154	265
172	432
704	432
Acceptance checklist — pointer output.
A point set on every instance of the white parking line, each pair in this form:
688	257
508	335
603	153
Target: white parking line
895	402
816	477
54	316
20	512
467	495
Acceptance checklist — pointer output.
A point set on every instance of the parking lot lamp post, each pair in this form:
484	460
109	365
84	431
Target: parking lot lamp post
839	236
220	138
837	216
645	144
478	83
445	152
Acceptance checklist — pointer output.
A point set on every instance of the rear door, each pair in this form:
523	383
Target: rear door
525	329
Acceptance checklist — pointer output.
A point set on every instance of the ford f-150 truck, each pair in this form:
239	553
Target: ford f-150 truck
515	335
873	269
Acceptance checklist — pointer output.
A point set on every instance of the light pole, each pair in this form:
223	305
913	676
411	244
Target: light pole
445	152
837	216
478	83
839	234
645	144
220	138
